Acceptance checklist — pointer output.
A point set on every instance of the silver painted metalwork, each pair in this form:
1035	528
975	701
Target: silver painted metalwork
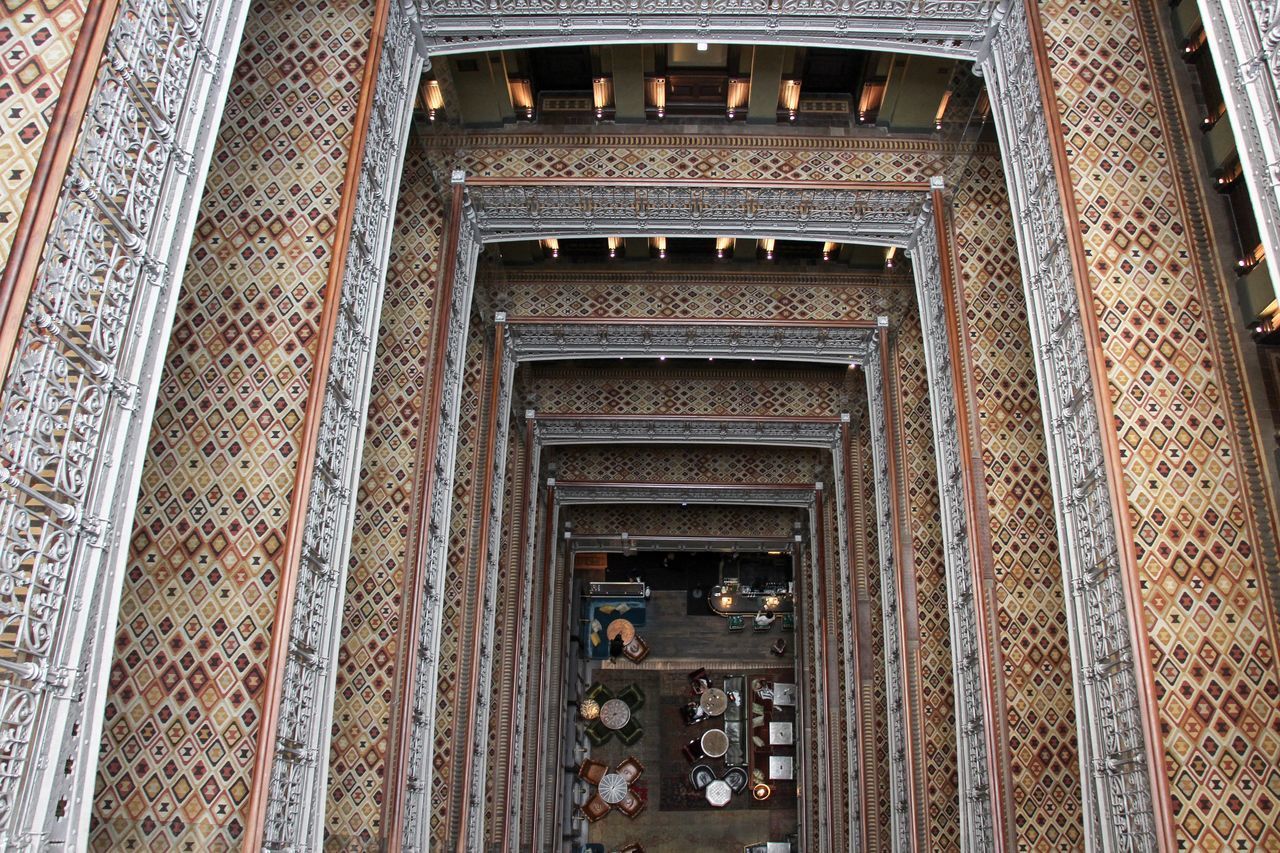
976	832
935	27
901	831
569	494
298	790
514	807
78	401
1117	795
1244	40
497	471
416	828
506	212
555	341
852	817
554	430
625	543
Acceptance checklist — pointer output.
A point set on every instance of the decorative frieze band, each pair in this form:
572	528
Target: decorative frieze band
78	400
937	27
678	430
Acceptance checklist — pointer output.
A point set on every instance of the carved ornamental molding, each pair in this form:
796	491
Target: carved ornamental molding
937	27
568	429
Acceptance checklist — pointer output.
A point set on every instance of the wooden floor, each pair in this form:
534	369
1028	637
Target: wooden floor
681	642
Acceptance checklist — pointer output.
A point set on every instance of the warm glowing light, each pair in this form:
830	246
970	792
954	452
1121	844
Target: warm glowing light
771	602
768	244
702	45
829	248
739	93
521	91
659	243
726	600
433	97
551	245
655	90
761	791
789	97
589	709
942	108
602	94
615	243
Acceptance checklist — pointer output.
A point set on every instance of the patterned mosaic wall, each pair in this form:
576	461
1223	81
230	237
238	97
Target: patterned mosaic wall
702	294
1029	593
37	38
183	712
936	701
1209	614
371	615
859	425
684	391
664	520
688	464
459	599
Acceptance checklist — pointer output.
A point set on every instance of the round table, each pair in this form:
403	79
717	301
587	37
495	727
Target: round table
715	743
714	701
717	793
621	628
613	788
614	714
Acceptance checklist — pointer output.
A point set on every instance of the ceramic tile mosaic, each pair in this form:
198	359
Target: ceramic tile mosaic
365	687
1209	614
1046	808
200	593
691	464
37	38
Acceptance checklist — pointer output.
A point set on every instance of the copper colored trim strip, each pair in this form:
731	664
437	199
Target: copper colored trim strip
482	571
677	321
513	706
820	570
418	556
36	217
858	646
548	540
256	810
1162	800
982	562
908	638
734	183
766	541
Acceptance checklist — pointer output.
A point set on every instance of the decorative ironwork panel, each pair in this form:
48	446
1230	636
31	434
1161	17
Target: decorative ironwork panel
1117	796
938	27
836	344
899	785
587	210
78	400
568	494
971	723
657	430
848	627
296	799
1244	39
497	471
416	828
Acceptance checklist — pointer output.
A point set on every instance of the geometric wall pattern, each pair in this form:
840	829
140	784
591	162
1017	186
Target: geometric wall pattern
692	520
371	626
688	464
940	810
685	389
1200	570
185	700
1030	612
37	38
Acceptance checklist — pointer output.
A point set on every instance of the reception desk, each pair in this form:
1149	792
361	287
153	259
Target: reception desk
734	599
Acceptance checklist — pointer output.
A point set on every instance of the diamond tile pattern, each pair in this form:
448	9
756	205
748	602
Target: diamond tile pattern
688	464
185	699
37	38
365	685
1031	615
936	700
1209	613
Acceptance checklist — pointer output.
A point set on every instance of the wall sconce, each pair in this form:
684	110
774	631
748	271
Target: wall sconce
434	98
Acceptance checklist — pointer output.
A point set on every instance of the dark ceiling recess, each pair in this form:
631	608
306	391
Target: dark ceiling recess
833	71
560	69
